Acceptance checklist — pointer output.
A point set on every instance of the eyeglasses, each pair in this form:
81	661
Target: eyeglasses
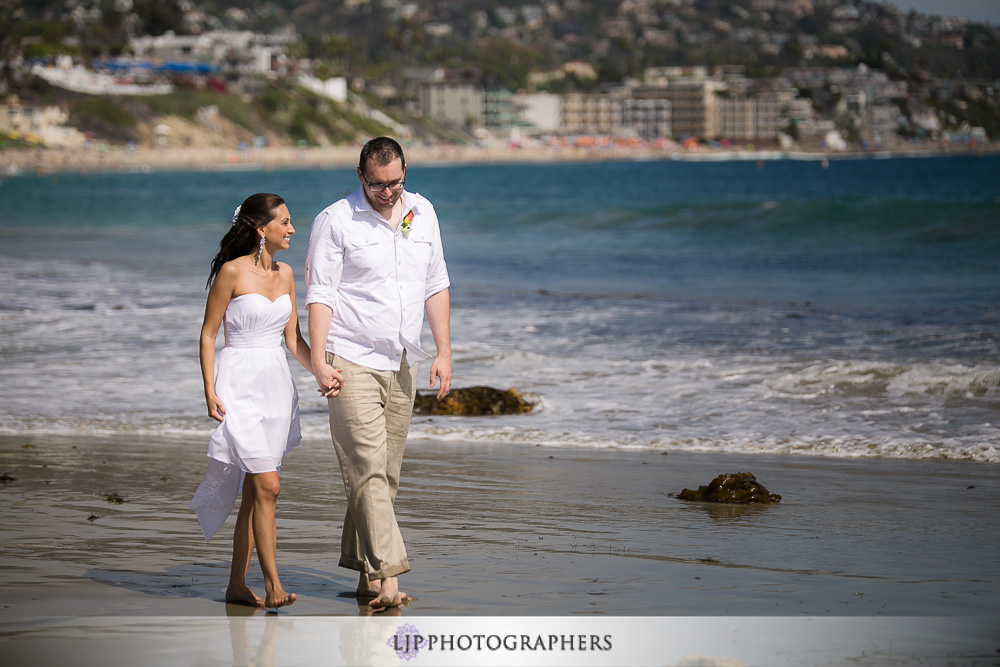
381	187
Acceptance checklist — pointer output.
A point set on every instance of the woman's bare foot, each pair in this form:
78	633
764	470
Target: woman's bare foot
389	595
279	598
238	595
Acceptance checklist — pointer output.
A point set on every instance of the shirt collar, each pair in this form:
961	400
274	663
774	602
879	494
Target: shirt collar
361	203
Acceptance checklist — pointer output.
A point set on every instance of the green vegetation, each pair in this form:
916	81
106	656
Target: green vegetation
281	109
977	113
103	110
11	141
186	102
500	44
372	39
505	63
310	118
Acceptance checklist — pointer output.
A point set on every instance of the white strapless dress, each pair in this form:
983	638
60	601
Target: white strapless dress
262	406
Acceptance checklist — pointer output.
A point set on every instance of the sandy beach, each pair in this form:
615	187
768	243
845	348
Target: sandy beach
104	158
832	331
503	531
124	159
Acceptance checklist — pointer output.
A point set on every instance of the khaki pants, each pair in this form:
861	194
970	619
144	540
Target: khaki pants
369	421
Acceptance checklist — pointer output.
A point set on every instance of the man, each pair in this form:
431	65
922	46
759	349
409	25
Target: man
374	266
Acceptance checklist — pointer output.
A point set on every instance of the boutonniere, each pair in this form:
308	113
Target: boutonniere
404	225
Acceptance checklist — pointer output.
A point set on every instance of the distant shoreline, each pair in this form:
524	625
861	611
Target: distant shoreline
142	160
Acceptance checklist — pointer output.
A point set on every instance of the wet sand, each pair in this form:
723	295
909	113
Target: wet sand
504	531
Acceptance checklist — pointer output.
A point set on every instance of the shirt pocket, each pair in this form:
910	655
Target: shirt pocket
363	253
418	256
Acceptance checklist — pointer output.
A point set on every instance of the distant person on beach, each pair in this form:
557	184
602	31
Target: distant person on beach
374	266
249	389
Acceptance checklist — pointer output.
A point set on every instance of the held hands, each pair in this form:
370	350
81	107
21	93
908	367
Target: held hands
329	379
441	368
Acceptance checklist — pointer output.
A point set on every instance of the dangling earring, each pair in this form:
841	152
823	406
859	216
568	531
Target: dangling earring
260	251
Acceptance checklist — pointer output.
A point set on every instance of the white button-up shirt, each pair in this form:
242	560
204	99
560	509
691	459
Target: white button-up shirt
375	279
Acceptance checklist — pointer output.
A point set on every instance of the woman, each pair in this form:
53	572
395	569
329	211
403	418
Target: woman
249	389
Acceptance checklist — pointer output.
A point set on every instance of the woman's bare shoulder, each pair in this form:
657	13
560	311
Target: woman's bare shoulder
229	274
232	269
285	271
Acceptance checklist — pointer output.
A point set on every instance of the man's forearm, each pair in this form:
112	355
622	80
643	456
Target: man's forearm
319	330
438	308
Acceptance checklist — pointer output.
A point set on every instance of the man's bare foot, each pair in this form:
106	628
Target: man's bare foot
367	588
279	598
237	595
389	595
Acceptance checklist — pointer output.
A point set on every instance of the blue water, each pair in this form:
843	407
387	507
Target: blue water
848	311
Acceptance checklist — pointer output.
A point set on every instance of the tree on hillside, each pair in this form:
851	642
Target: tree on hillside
159	16
505	63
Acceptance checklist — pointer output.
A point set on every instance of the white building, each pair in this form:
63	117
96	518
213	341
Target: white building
334	89
594	113
541	111
460	104
42	125
235	52
649	118
81	80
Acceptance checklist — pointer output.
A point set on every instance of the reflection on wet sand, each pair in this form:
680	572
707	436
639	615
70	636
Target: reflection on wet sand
506	531
250	650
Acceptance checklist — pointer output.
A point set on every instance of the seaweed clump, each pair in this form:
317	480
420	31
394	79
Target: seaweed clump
474	401
740	487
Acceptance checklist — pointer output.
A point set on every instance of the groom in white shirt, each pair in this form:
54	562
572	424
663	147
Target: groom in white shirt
374	266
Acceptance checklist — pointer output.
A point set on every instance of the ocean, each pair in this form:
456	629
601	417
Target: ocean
847	310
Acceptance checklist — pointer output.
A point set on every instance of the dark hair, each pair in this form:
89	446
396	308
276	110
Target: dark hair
380	151
241	239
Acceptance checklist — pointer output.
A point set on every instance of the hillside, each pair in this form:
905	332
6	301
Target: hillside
950	65
622	38
281	114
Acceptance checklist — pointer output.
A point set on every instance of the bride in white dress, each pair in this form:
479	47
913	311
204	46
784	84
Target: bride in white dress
249	389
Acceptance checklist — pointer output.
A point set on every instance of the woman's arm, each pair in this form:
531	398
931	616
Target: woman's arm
294	340
219	297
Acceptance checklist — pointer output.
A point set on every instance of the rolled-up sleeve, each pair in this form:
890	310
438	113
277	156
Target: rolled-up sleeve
437	270
324	261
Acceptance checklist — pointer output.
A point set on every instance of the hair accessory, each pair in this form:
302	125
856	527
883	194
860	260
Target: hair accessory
260	251
236	213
